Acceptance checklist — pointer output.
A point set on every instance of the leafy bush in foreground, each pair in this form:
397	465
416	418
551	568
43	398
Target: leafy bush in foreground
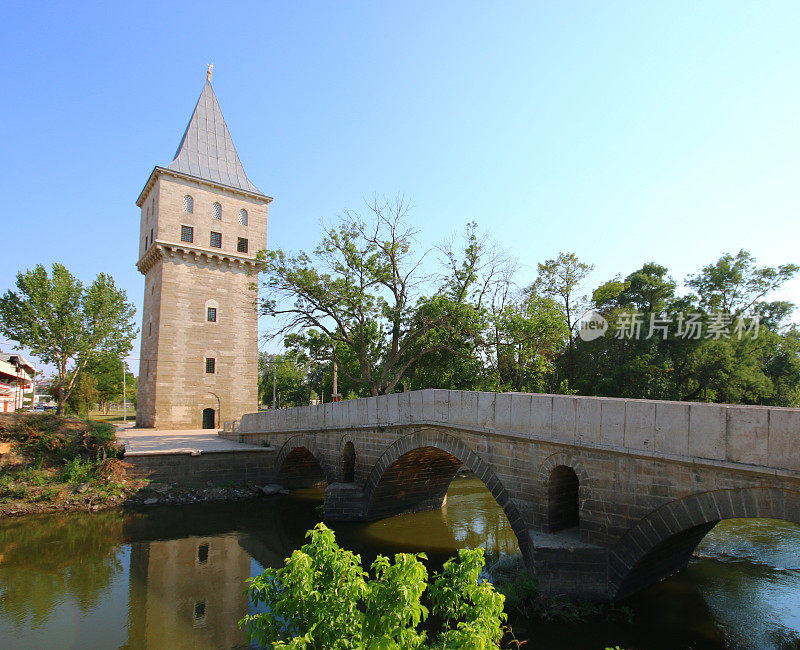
322	598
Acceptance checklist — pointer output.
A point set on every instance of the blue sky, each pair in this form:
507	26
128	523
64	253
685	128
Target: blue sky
625	132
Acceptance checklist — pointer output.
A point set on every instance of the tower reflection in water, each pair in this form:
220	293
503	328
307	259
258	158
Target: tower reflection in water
188	593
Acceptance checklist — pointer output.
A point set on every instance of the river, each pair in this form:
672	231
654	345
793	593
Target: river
174	576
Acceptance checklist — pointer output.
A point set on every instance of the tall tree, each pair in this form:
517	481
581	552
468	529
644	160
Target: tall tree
358	290
287	374
84	396
107	370
735	284
66	324
561	279
475	287
674	363
531	334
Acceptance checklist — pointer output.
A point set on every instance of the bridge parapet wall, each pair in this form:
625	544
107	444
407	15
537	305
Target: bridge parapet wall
766	437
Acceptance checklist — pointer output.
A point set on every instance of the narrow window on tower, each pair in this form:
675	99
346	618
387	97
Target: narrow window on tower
216	239
216	211
187	234
241	246
149	329
188	204
151	235
212	315
243	217
211	366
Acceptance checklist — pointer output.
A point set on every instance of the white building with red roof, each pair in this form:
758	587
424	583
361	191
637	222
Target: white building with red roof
16	382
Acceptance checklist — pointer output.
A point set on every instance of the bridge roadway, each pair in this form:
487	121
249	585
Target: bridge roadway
605	495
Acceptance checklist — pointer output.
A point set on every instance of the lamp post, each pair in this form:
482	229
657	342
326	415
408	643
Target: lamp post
124	394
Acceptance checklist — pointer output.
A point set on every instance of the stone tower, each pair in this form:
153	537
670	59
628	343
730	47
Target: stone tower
202	224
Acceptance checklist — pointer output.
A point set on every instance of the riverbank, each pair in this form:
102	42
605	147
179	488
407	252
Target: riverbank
51	464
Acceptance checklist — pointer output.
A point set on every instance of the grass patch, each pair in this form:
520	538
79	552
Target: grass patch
55	458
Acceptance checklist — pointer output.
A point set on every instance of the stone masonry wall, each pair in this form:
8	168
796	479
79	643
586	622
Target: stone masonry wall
167	195
181	281
627	474
208	467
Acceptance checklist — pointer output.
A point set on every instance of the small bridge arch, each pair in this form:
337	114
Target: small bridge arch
662	543
416	470
300	464
564	491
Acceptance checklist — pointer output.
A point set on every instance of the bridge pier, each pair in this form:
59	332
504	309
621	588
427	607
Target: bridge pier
345	502
565	566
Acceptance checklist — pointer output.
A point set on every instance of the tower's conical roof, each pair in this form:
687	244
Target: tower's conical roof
206	150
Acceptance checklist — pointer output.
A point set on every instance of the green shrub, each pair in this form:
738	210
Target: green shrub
78	471
322	598
519	591
103	432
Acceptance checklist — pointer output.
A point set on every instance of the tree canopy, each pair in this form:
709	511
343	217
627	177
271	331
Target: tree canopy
357	297
64	323
362	299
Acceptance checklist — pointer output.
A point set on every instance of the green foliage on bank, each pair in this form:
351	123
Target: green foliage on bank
323	599
49	455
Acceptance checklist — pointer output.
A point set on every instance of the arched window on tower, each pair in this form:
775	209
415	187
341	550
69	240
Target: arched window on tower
211	313
188	204
243	217
216	211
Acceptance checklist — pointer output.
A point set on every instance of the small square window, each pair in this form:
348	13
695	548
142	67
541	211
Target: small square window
187	234
216	239
211	366
202	553
212	315
241	245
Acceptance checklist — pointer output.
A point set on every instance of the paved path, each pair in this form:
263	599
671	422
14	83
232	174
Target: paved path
156	441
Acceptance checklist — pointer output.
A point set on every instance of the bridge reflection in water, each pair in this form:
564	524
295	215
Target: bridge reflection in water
173	577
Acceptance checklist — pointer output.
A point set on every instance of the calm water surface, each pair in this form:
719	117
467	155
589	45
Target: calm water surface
173	576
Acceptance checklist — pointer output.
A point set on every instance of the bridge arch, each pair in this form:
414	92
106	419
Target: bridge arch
413	474
662	543
556	498
300	464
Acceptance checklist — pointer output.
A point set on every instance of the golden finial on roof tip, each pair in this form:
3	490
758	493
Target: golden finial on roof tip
208	73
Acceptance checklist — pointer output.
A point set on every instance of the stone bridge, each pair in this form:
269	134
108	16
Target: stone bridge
605	495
